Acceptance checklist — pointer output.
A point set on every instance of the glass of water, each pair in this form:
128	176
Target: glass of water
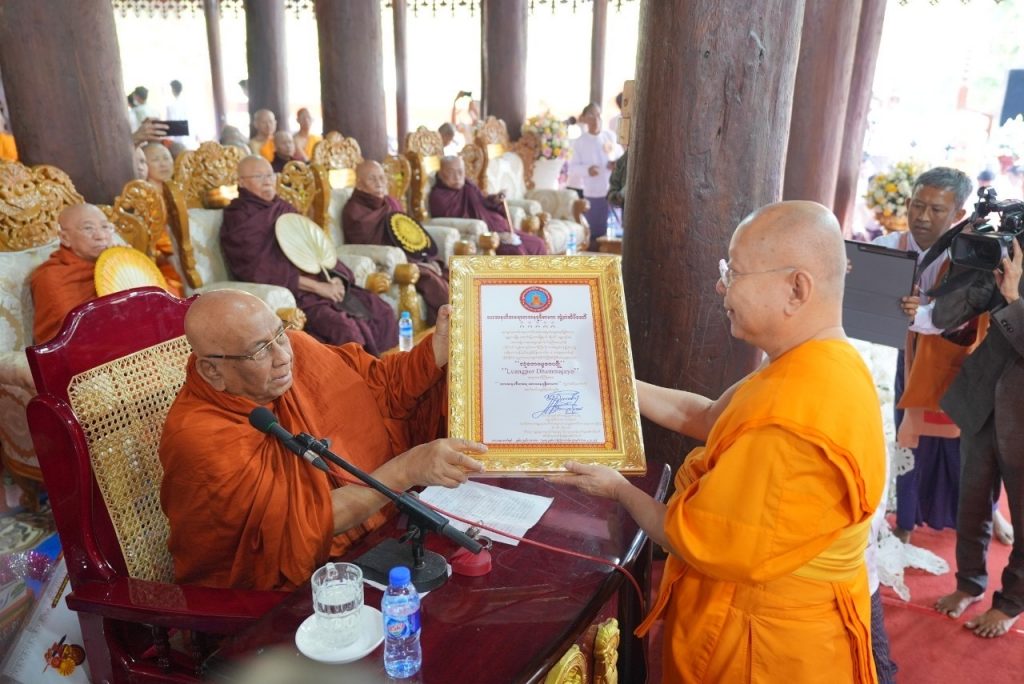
338	600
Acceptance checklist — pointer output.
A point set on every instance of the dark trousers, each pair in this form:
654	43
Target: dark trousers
884	665
597	217
982	469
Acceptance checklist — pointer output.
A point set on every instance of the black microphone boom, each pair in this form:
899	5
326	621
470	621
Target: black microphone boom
419	514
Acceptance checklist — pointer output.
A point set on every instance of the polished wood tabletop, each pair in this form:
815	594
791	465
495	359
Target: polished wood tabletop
510	625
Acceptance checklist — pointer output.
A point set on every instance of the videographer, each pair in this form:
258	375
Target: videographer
985	402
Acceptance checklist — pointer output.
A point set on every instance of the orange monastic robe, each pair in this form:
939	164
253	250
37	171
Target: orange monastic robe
770	521
59	284
164	250
8	149
247	513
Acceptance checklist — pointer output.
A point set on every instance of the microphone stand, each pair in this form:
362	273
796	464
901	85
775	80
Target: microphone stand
429	569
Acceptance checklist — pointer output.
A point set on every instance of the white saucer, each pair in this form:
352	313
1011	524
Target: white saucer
371	633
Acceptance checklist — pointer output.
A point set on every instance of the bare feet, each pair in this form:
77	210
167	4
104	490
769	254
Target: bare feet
992	623
901	534
1002	530
956	603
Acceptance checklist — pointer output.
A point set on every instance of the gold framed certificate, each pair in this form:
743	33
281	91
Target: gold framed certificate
540	368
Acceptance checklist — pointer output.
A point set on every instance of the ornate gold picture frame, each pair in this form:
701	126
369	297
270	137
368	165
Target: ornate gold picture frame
540	368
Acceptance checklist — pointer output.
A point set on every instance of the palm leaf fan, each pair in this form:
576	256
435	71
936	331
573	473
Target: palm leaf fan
305	244
124	268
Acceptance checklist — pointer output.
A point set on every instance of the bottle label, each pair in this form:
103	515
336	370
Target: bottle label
400	627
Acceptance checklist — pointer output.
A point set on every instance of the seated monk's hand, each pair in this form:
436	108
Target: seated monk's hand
440	339
334	290
596	480
444	462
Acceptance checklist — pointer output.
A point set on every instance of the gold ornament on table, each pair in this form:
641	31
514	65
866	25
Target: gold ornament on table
888	192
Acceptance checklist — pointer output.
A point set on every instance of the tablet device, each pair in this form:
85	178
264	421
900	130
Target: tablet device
878	278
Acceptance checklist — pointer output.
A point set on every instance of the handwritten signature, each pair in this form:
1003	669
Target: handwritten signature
563	401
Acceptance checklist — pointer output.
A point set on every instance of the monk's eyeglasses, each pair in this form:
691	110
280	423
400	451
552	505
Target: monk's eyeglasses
260	176
727	274
280	339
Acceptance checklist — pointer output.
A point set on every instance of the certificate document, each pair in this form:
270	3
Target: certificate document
540	368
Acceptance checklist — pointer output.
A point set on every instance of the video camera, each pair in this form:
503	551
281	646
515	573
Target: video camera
980	244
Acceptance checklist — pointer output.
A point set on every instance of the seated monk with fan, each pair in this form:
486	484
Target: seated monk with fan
371	217
337	310
67	279
244	511
453	196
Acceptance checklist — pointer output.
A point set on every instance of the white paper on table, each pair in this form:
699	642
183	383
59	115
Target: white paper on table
504	509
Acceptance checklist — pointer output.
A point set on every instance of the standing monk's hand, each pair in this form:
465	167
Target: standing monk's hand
444	462
440	339
596	480
1008	277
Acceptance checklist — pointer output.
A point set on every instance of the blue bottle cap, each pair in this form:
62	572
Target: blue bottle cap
405	314
399	576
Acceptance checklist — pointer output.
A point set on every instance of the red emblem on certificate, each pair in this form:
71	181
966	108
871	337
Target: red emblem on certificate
535	299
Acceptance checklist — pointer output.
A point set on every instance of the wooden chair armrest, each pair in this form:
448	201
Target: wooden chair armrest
205	609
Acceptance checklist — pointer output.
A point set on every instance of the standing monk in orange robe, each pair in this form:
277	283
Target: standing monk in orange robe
765	579
244	511
67	278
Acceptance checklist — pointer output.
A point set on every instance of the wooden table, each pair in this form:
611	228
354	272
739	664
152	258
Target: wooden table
511	625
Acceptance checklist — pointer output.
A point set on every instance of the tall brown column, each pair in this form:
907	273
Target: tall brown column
352	72
401	72
827	42
62	75
869	36
713	101
597	40
503	62
266	57
211	8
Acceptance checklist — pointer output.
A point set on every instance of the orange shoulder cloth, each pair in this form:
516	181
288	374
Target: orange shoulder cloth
61	283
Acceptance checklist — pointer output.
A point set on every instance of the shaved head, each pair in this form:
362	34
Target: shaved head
238	326
453	172
85	230
256	175
784	278
370	178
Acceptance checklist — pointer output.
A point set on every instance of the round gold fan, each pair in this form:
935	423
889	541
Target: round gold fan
304	243
409	234
123	268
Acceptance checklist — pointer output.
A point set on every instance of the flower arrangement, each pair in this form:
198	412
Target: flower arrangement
888	192
552	136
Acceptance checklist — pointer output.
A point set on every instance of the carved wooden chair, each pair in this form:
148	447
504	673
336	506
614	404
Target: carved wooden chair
105	385
508	168
423	149
31	200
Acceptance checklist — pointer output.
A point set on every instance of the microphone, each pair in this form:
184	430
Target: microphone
265	421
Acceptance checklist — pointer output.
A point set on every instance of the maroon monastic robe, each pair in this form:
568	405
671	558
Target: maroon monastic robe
253	255
364	222
469	202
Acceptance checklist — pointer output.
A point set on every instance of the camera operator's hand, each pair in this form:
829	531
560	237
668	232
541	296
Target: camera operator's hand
911	303
1008	276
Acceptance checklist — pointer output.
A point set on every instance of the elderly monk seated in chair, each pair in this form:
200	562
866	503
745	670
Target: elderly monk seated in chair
366	221
67	278
765	578
244	511
337	310
453	196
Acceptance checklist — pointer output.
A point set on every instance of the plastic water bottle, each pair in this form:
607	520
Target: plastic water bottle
403	655
570	245
405	332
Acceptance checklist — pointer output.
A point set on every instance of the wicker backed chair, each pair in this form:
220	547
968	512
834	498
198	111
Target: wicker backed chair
105	385
508	168
31	200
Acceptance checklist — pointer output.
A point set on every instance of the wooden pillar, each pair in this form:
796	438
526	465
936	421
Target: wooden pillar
713	101
869	36
503	62
597	41
266	57
212	10
401	72
827	42
62	76
352	72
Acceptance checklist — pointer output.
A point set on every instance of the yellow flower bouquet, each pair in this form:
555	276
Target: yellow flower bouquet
552	136
888	192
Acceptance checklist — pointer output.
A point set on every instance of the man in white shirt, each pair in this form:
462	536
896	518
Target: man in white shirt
177	111
593	158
